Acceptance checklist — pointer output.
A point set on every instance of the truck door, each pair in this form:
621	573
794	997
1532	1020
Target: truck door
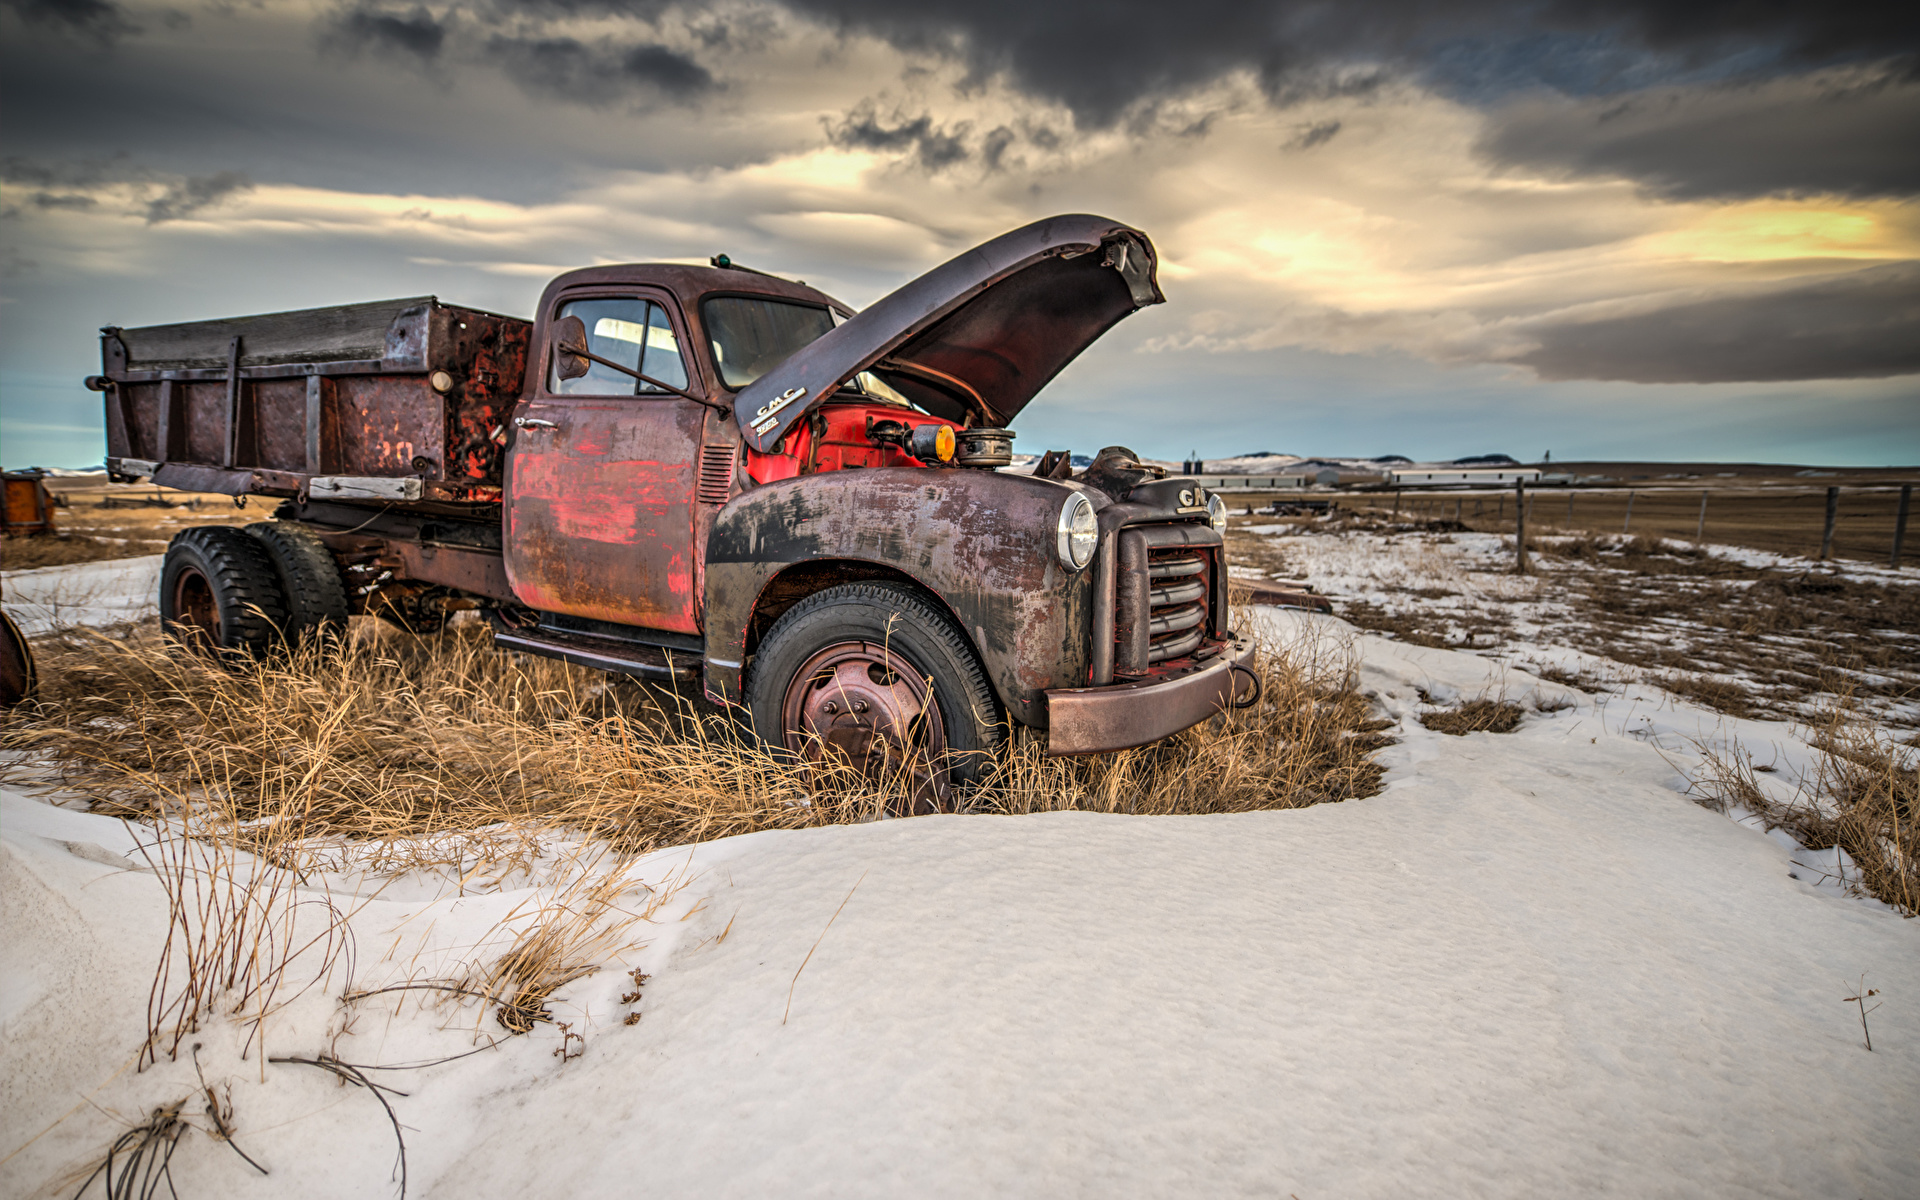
600	479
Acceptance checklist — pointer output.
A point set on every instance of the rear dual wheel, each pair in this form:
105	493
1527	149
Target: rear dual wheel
246	590
219	591
873	676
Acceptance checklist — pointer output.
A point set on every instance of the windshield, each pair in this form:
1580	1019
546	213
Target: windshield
752	335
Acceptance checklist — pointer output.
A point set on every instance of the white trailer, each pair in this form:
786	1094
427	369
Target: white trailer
1486	477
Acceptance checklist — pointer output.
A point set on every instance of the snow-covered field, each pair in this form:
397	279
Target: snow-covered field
1530	967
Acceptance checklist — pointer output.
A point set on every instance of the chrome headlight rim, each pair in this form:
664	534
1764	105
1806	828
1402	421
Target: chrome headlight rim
1076	533
1216	512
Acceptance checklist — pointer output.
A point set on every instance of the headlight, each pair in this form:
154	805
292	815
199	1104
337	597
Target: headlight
1217	513
1079	532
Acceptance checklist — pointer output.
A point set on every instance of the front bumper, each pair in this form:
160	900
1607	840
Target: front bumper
1123	715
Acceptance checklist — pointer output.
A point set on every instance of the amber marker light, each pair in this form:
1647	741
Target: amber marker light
933	443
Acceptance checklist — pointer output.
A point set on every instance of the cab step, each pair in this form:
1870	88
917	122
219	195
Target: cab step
604	654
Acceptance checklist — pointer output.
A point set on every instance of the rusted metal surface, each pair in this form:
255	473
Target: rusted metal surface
975	338
16	664
980	543
645	662
1097	720
349	391
866	704
1260	591
475	571
28	505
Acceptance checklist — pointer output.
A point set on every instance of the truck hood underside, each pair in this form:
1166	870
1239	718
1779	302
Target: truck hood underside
975	338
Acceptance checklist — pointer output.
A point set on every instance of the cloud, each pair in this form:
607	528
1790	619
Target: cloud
598	74
100	21
933	146
1315	134
414	32
188	196
1101	57
1856	325
1849	132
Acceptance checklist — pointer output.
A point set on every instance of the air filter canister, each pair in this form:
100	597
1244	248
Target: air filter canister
984	448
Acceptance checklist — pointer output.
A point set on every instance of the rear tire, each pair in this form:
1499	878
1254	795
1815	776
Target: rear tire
219	591
316	595
846	642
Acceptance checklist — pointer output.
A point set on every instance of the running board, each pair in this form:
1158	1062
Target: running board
603	654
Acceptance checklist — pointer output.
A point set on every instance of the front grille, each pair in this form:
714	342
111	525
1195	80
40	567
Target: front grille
1165	594
1176	603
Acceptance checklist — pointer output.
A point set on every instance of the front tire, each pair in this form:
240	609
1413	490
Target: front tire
219	591
874	674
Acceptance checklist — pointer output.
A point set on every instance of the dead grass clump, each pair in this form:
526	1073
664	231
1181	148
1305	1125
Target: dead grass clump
240	930
1721	695
1864	798
1577	679
1310	739
1476	716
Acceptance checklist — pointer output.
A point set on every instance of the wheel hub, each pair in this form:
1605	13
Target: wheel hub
194	608
869	707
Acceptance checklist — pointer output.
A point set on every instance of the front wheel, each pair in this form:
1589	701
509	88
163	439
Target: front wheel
874	675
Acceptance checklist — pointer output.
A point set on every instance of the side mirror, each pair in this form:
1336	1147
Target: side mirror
569	337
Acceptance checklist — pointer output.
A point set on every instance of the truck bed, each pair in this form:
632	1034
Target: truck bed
396	400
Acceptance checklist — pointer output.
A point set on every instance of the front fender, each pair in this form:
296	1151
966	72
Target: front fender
983	543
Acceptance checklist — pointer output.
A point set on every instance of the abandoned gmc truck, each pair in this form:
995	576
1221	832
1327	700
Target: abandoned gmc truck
712	475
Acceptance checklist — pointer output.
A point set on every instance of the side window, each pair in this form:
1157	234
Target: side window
635	333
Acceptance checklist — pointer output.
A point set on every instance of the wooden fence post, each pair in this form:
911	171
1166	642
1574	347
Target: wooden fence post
1700	530
1520	526
1833	511
1900	523
1626	526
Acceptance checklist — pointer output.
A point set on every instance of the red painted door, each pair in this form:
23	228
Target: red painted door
601	474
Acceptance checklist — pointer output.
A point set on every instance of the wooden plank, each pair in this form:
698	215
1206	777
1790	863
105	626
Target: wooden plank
317	388
233	403
347	331
167	422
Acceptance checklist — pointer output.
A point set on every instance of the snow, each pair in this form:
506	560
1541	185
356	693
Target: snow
1530	967
101	594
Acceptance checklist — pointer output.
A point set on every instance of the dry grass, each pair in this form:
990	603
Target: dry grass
102	522
1476	716
240	930
397	744
1309	740
1864	797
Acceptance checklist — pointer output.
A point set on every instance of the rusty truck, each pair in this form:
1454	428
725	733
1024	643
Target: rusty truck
718	477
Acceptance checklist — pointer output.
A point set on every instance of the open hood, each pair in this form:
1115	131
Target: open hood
975	338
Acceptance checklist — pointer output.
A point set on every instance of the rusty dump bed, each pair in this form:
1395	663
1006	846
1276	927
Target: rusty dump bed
395	400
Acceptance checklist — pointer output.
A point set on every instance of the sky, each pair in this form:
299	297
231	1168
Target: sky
1428	227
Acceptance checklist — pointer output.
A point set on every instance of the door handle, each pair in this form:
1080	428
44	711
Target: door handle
534	423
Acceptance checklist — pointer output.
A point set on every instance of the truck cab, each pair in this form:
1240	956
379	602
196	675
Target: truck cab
716	476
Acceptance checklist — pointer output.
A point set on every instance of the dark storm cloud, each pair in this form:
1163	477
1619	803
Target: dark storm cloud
934	146
1860	325
1317	134
596	74
63	185
1101	56
186	197
1852	135
415	31
96	20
